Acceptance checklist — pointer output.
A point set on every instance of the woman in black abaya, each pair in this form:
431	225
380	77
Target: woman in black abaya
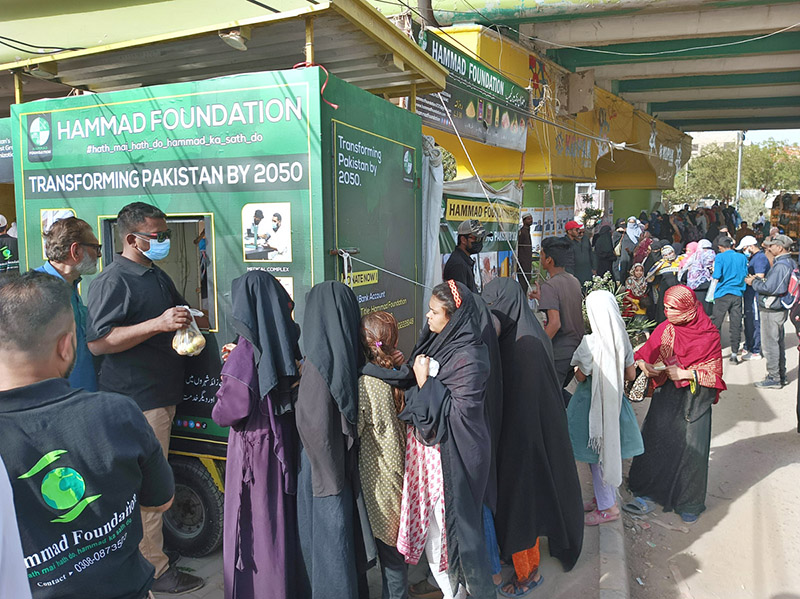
448	446
332	519
538	490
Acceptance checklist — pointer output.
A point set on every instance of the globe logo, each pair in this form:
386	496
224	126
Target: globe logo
63	488
39	131
407	163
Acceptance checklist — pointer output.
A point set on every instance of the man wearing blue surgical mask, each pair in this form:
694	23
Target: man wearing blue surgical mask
133	315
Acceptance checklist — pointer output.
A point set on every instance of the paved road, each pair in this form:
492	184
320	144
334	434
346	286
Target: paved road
746	544
581	582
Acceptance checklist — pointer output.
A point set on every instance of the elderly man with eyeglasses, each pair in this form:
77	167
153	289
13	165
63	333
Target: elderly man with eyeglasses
133	313
72	251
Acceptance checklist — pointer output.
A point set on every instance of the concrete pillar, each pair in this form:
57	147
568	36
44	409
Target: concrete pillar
630	202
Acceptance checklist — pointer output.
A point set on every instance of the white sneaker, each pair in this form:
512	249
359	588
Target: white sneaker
749	356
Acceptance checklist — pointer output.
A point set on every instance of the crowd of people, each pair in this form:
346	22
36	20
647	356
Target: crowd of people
723	260
351	454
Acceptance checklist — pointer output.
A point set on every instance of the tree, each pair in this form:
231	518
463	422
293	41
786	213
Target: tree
769	165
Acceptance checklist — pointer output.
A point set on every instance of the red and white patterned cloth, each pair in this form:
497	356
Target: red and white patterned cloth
423	488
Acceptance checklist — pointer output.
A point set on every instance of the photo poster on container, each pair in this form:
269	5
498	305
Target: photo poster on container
501	219
235	151
545	225
377	210
484	105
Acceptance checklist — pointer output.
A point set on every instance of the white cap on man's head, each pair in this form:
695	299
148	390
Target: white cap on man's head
3	221
746	241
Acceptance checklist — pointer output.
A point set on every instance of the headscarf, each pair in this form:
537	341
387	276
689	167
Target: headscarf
699	265
633	229
488	325
643	247
508	303
460	330
691	248
331	326
602	355
538	491
690	337
262	314
669	263
637	287
460	388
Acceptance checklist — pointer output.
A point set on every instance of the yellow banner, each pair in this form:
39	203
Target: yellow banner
363	277
460	210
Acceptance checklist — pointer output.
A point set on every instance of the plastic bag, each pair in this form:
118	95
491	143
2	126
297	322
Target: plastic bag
712	287
189	341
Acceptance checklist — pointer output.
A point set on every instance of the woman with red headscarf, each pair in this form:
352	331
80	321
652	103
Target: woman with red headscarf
683	359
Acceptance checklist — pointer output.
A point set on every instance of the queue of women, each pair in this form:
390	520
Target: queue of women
460	454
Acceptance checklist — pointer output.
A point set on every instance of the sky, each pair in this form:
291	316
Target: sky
790	135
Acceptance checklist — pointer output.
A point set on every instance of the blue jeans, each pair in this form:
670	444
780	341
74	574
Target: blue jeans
752	322
491	540
394	572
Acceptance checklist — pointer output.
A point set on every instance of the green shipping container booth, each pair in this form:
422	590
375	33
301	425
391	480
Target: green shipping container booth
273	171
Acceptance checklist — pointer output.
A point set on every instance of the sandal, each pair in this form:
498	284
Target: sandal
639	506
590	506
600	517
521	588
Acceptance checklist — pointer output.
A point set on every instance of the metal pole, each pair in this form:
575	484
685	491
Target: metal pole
17	89
740	143
309	47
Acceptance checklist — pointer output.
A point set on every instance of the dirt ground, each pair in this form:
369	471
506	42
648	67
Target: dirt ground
746	544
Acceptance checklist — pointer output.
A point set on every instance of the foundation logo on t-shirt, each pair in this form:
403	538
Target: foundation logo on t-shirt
40	138
62	488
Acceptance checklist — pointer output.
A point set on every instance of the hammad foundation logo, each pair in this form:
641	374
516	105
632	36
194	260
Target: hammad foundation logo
62	488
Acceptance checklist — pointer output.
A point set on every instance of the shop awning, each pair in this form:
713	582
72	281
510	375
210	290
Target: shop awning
350	38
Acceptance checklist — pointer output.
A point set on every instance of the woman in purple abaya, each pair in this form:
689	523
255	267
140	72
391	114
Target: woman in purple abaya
256	400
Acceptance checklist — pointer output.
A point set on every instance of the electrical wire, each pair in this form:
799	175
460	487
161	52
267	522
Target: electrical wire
20	42
527	113
486	195
662	52
4	40
18	49
615	53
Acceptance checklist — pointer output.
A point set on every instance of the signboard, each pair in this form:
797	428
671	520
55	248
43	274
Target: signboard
6	161
501	219
231	157
376	202
272	176
484	105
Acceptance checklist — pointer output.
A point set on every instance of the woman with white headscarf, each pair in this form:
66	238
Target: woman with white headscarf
602	425
628	242
663	275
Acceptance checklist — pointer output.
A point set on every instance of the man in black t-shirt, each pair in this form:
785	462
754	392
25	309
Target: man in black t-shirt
132	319
81	464
460	267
